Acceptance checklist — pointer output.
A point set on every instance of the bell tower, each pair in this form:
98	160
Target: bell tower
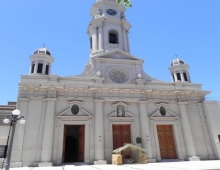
109	28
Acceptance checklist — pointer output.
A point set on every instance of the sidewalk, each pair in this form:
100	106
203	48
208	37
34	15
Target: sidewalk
194	165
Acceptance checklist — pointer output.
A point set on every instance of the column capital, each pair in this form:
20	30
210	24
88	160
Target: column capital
182	103
24	99
51	99
99	100
143	101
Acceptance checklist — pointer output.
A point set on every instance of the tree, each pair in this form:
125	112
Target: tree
126	3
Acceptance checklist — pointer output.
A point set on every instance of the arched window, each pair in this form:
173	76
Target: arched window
113	37
40	67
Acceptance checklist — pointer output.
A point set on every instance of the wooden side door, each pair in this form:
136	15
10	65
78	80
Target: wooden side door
122	135
166	142
81	143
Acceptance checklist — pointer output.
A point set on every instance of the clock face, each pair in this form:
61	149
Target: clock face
111	12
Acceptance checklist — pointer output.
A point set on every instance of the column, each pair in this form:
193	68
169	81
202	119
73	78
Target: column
47	143
128	44
44	67
94	39
189	79
35	67
125	40
99	133
100	38
50	65
190	148
145	131
175	77
182	77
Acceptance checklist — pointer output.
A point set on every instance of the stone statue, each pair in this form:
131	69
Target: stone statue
120	111
123	15
98	14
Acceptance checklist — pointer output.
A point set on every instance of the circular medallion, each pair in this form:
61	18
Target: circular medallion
163	111
111	12
75	109
118	75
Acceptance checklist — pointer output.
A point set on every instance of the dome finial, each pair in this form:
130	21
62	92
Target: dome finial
44	45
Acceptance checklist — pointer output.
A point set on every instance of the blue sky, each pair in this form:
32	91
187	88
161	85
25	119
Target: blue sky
160	30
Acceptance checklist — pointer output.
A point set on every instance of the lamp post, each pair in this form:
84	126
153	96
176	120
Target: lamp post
12	120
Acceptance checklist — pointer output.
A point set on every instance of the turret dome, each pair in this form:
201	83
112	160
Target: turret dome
177	61
42	51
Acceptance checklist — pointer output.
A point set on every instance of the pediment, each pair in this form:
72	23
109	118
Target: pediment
83	114
120	103
169	115
118	54
127	116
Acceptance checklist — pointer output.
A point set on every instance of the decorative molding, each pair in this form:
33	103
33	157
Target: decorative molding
120	103
162	104
75	102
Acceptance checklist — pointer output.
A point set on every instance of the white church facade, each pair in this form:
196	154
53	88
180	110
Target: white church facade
84	118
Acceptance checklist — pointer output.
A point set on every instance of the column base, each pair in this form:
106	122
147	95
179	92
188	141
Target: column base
45	164
212	157
151	160
194	158
100	162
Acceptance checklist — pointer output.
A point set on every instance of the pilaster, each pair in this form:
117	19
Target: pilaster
211	154
99	132
145	131
47	144
187	133
20	131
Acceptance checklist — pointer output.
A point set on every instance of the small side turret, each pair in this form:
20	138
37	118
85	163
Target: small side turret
41	62
179	71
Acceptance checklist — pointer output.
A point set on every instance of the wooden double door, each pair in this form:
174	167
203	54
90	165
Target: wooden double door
166	142
73	143
121	136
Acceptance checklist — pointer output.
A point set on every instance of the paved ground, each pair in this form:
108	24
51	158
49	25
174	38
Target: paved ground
196	165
